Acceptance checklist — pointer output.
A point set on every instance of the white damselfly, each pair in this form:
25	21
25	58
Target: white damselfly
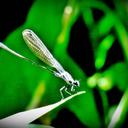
41	51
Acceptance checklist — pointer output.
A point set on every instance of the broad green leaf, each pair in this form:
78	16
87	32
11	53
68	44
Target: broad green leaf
45	18
19	87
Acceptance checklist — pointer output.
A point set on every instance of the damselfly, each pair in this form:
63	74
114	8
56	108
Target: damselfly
41	51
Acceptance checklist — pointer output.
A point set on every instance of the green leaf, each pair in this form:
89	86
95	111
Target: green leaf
45	19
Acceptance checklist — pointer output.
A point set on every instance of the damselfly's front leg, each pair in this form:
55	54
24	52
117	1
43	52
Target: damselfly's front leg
61	92
72	88
64	88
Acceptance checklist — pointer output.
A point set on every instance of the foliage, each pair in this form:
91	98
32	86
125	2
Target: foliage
54	22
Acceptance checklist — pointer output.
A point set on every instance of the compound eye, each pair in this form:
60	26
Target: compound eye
76	83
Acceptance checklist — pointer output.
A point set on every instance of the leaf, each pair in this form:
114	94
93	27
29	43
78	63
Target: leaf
26	117
85	109
20	87
26	77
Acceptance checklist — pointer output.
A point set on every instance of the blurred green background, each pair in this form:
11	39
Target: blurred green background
89	38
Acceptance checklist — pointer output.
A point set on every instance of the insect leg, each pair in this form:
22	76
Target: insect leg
67	91
61	89
72	89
